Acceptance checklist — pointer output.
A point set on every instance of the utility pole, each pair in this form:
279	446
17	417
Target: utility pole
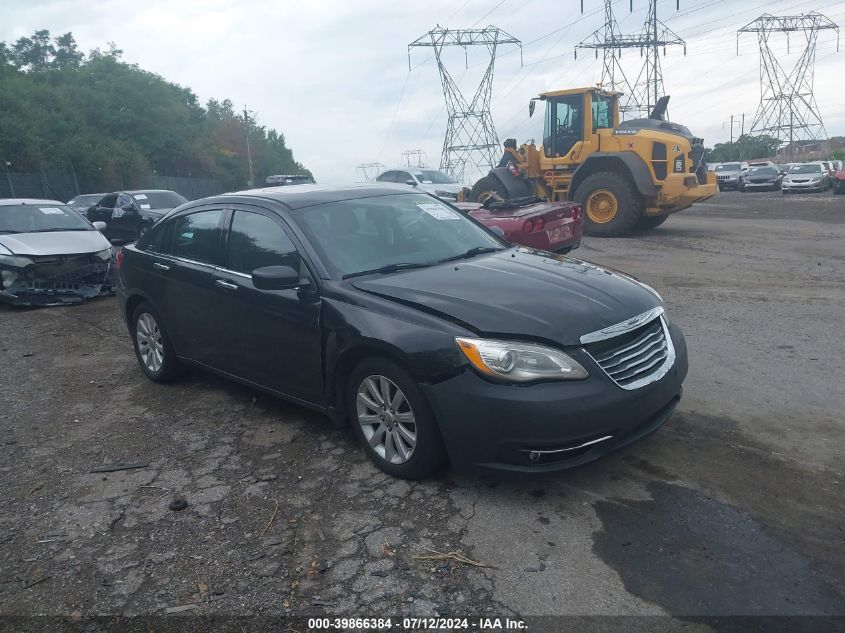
470	133
248	149
732	129
417	154
787	104
741	134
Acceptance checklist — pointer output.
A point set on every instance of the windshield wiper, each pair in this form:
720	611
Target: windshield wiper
478	250
390	268
8	231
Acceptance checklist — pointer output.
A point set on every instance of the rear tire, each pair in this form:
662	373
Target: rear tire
385	432
648	222
152	346
611	206
486	186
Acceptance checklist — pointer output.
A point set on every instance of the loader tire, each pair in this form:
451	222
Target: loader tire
487	186
648	222
611	206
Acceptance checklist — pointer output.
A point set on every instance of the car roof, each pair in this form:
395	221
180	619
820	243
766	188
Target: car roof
303	196
134	191
8	202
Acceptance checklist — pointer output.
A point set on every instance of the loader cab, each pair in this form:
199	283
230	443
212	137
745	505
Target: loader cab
572	121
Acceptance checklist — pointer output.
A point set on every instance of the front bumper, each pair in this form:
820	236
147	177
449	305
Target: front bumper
760	185
803	186
681	191
75	281
488	426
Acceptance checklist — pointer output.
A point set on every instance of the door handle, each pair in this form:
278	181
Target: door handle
160	266
225	284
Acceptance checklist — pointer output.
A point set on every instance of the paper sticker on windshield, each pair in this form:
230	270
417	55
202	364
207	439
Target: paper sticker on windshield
437	211
145	206
51	211
140	196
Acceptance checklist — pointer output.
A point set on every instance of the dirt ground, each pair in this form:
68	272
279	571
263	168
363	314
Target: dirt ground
734	508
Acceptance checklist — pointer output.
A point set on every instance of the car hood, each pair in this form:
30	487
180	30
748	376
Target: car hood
520	292
56	243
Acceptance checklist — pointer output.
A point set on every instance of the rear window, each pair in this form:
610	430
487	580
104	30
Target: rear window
197	236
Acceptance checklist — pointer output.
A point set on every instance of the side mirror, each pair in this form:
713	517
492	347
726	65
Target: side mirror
100	226
531	105
413	183
275	278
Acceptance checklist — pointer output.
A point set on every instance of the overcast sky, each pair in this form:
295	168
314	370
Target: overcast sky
333	75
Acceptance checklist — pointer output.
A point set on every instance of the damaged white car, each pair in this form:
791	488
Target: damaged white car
50	255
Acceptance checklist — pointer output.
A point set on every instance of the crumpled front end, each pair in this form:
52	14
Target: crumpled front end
50	280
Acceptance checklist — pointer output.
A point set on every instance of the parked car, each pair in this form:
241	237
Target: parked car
50	255
549	226
395	312
759	178
805	177
760	163
129	214
429	180
839	181
82	203
730	175
283	180
831	170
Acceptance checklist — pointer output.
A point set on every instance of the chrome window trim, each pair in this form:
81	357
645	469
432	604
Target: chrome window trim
183	260
566	450
625	326
232	272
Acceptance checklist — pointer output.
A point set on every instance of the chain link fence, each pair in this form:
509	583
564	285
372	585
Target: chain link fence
53	185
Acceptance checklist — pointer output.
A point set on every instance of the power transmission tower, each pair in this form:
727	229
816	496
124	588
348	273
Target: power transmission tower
788	109
415	156
609	39
470	135
643	93
367	172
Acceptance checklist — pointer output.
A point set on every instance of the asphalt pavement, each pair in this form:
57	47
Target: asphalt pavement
735	507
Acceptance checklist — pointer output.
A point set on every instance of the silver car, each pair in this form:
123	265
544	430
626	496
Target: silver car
806	177
51	255
429	180
731	175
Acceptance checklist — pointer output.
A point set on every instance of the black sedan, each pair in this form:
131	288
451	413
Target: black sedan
128	214
766	178
396	313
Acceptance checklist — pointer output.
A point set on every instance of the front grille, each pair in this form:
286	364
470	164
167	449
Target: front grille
637	357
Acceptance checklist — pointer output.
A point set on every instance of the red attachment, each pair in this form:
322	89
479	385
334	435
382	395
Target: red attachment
118	259
528	226
539	223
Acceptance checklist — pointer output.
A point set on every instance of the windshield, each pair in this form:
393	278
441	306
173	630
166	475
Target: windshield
433	176
354	236
86	200
806	169
157	199
763	171
728	167
28	218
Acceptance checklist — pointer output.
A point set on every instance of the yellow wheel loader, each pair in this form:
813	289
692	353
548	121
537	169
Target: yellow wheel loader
628	175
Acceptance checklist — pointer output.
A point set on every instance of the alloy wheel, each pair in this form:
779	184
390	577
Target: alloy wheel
386	419
150	345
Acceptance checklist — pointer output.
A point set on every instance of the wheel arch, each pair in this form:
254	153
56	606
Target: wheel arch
626	164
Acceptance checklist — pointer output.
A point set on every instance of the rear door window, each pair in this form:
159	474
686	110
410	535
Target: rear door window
256	241
197	236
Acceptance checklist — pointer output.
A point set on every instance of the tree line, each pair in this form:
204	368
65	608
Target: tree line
114	124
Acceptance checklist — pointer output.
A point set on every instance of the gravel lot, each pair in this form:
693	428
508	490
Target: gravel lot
735	507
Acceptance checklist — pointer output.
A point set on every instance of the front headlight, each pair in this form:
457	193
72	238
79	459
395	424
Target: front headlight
515	361
105	255
15	261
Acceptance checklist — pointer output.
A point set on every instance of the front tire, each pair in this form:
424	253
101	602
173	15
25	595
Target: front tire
393	421
152	346
611	207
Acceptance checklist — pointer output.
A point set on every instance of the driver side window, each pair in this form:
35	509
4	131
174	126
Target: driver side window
568	124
